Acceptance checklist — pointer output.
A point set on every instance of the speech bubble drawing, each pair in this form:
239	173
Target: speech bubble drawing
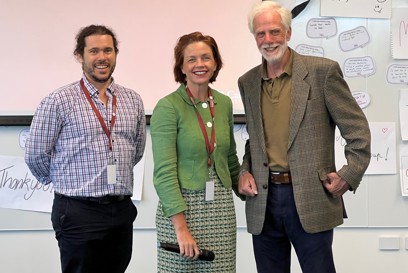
23	137
354	38
321	28
397	73
359	67
363	98
310	50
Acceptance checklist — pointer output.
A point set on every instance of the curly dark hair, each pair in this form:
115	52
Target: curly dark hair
93	30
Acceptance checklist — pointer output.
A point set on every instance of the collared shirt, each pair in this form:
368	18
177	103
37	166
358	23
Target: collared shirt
275	105
68	147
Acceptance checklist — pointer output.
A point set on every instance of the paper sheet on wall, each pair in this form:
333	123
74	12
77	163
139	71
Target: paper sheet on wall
383	149
399	33
19	189
403	113
138	177
404	170
356	8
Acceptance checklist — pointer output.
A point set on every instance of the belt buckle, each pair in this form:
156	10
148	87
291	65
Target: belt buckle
280	177
273	179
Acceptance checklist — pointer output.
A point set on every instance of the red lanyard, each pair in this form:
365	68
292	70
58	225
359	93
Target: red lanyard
98	114
209	144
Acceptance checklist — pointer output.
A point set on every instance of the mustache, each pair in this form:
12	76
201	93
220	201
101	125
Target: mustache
268	46
102	63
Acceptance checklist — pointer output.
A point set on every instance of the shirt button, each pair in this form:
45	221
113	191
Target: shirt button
265	186
204	105
265	164
209	124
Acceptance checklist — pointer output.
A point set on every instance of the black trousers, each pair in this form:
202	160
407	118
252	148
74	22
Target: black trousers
93	237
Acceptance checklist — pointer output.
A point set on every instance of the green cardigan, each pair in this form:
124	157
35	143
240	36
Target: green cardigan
179	151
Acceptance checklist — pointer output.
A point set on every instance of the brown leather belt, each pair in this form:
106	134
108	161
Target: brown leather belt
280	177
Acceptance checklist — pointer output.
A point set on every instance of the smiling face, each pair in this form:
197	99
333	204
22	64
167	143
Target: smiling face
198	64
271	36
99	59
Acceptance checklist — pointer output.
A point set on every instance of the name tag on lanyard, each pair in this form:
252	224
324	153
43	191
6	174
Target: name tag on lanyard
111	168
209	190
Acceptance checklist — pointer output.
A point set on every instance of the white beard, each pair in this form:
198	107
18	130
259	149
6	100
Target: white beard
276	56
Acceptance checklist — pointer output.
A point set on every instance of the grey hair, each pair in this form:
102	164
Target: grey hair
266	6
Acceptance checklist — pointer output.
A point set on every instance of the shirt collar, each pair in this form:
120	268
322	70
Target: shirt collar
93	90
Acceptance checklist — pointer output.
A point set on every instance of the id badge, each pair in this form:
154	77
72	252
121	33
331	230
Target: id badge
111	170
209	191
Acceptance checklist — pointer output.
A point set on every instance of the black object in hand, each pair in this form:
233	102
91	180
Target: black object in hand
205	255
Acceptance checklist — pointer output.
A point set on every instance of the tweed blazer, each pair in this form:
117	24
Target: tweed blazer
320	101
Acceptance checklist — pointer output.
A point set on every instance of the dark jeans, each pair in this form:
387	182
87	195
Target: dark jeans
93	237
282	229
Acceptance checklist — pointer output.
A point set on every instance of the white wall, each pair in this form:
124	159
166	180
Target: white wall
355	250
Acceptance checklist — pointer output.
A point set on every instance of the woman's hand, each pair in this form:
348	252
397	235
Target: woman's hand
186	242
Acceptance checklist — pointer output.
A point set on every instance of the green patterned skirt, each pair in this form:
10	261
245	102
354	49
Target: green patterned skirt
213	226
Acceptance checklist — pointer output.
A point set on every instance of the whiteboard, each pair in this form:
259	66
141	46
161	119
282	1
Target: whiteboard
31	220
39	39
370	206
